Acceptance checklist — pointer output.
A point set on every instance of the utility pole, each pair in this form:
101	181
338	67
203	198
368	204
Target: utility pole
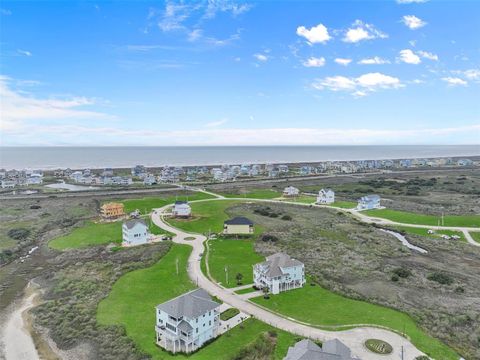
403	352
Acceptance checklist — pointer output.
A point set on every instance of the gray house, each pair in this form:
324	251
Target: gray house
186	322
308	350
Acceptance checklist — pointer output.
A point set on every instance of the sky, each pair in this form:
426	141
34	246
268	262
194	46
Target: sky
239	73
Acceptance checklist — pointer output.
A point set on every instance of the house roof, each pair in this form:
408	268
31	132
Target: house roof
239	220
327	190
277	261
371	197
191	305
308	350
181	202
131	223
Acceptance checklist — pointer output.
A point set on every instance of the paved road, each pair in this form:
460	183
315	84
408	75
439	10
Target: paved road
353	338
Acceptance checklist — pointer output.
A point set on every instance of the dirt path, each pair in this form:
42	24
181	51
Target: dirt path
15	340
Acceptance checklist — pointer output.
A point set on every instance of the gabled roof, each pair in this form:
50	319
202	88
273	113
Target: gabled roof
327	190
181	202
278	261
372	197
308	350
190	305
131	223
239	220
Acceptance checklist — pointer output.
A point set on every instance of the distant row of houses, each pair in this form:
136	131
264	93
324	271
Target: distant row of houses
169	174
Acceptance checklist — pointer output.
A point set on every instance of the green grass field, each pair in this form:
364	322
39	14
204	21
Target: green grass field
134	296
344	204
145	205
92	234
421	219
424	232
255	194
327	308
245	291
237	255
303	199
89	235
207	216
475	236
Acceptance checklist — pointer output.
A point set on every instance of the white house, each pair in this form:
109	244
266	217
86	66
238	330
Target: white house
368	202
181	209
279	273
237	226
8	184
35	179
326	196
290	191
331	350
135	232
185	323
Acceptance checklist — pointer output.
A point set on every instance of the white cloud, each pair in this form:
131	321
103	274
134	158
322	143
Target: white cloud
19	107
472	74
218	123
360	86
314	62
314	35
83	135
261	57
409	57
376	60
24	52
195	34
454	81
362	31
413	22
5	12
411	1
428	55
342	61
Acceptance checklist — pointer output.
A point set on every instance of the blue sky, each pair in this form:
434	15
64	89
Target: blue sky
240	73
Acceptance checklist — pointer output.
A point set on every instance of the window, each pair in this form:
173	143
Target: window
196	320
210	323
196	330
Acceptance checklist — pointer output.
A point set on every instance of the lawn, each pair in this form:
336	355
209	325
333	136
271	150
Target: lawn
245	291
207	216
92	234
237	255
145	205
89	235
256	194
134	296
475	236
229	313
344	204
303	199
421	219
424	232
326	308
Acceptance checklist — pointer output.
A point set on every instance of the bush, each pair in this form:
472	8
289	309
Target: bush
18	234
35	207
268	238
441	278
395	278
459	290
286	217
402	272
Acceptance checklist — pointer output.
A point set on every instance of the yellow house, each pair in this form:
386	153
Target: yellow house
112	210
238	226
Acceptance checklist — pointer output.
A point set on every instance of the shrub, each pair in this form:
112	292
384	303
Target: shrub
441	278
459	290
395	278
268	238
19	234
35	207
402	272
286	217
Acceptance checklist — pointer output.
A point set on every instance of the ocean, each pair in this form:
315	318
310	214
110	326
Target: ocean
48	158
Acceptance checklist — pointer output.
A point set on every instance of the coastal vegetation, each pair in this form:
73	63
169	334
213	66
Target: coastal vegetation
146	204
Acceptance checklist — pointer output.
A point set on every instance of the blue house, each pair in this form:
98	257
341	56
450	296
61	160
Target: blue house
368	202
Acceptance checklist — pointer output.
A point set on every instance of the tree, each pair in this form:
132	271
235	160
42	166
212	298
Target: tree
239	278
266	293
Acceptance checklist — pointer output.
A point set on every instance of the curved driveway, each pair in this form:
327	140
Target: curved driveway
353	338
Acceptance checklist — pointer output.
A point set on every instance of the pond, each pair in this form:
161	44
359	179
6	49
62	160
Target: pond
70	187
